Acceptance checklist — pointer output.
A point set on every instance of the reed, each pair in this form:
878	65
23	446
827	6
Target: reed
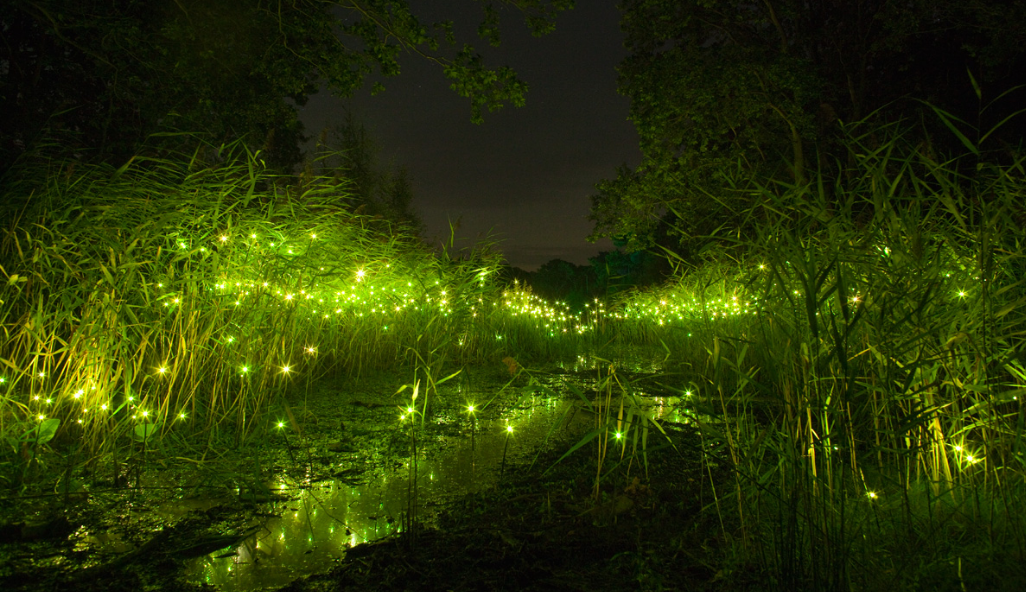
861	345
184	297
854	357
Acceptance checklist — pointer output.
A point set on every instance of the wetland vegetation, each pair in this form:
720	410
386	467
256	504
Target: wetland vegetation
225	365
260	388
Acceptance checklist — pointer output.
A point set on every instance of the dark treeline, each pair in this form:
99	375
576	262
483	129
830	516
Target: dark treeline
607	274
91	82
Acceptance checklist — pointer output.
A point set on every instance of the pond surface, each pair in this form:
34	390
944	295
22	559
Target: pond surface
368	486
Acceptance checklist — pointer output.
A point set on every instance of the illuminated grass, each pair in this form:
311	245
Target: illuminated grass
185	297
860	353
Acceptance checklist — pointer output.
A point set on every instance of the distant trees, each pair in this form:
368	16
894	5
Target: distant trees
620	270
563	281
607	273
346	150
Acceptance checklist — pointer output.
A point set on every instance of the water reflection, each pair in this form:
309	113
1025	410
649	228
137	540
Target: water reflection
313	524
625	358
316	525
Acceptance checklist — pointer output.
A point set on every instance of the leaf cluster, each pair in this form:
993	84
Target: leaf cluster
100	79
723	91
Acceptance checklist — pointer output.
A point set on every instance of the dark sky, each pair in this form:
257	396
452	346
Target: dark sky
525	174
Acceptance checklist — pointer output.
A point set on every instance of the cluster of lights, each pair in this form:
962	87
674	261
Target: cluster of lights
677	308
92	402
670	306
364	290
376	293
966	456
552	319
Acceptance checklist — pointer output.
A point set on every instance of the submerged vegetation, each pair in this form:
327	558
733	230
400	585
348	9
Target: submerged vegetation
851	364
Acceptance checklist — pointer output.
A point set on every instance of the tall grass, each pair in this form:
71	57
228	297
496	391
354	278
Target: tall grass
859	346
869	386
178	297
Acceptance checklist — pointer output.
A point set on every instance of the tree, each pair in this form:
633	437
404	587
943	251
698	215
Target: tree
347	151
726	90
618	270
397	200
100	77
559	280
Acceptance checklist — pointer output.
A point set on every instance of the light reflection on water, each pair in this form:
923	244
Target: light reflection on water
320	522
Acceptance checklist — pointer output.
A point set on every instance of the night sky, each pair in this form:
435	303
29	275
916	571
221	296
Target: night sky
525	174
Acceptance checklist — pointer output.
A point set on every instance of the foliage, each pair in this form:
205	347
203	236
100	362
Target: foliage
187	299
854	369
559	280
857	376
346	152
101	78
618	270
609	273
722	90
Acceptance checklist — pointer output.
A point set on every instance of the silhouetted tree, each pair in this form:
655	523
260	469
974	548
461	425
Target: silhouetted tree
98	78
346	151
559	280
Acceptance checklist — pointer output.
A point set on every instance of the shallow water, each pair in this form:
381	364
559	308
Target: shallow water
319	523
311	525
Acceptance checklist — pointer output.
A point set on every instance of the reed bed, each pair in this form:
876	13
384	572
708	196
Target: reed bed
180	297
861	348
854	358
